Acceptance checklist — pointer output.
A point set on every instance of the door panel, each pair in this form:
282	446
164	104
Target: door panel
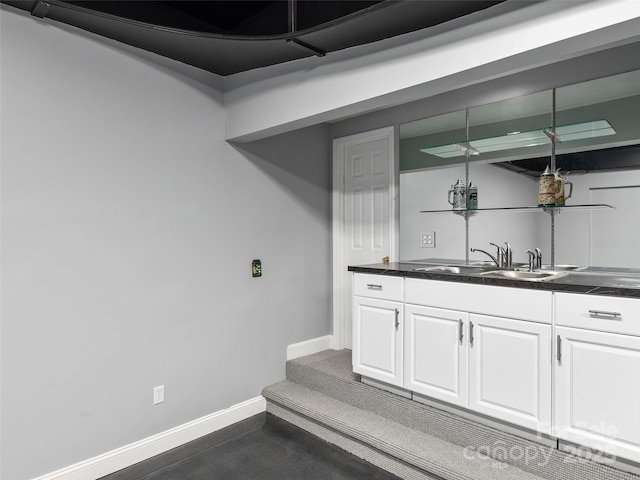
598	391
367	213
436	353
510	376
367	177
378	333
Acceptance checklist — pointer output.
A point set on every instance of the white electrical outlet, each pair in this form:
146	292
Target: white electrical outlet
158	394
427	239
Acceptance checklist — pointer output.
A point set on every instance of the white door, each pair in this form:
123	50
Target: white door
435	353
378	332
364	215
597	391
610	245
510	371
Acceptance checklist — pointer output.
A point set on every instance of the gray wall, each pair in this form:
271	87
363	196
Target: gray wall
128	230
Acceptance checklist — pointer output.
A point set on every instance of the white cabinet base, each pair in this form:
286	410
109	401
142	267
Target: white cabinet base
435	362
377	339
510	371
597	391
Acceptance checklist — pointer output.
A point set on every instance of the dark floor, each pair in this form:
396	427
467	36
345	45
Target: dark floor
262	447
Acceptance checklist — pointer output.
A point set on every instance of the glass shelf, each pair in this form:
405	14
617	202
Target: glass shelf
469	213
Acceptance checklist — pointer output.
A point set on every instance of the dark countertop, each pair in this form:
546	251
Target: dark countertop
591	280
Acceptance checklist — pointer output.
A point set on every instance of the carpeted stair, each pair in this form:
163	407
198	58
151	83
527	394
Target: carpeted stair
411	440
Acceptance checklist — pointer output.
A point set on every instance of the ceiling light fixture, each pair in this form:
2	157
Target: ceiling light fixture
563	133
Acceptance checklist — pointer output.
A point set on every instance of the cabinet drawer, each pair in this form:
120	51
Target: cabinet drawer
595	312
518	303
378	286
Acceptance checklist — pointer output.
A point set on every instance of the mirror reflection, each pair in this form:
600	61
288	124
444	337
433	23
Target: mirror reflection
509	144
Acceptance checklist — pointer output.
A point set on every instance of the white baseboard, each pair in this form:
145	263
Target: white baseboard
309	347
133	453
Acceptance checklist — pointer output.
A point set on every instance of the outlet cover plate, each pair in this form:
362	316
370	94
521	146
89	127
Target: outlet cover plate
427	239
158	394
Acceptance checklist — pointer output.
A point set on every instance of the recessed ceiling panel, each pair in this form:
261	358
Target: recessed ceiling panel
227	37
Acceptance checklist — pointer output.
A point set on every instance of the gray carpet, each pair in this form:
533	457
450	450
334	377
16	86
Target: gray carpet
410	439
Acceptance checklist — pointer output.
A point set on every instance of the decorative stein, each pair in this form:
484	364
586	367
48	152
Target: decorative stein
472	197
547	192
561	189
458	196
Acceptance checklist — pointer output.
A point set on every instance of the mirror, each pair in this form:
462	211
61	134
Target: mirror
597	148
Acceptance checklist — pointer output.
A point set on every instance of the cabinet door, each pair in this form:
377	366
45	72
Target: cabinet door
510	371
377	339
597	391
436	353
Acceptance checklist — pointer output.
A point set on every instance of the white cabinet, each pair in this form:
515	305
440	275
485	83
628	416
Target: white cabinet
378	328
510	371
436	353
597	373
507	353
493	365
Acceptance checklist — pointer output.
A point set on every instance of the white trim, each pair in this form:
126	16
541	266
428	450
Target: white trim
340	146
309	347
133	453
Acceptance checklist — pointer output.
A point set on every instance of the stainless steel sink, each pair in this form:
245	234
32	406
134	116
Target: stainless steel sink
522	275
562	268
483	264
547	268
459	269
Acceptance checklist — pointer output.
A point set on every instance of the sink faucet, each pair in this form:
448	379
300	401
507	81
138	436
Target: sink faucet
532	260
535	259
500	255
495	260
508	256
538	258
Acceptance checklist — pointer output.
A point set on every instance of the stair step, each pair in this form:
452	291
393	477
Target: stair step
362	419
330	373
428	453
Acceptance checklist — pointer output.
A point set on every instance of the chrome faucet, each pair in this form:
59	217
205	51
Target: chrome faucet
538	258
500	255
508	256
495	260
504	255
535	259
532	260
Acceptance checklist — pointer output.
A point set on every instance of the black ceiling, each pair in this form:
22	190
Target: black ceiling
227	37
608	159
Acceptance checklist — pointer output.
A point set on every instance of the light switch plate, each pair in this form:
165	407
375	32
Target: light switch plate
427	239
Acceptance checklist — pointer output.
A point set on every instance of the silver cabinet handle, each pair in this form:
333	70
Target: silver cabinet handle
397	320
460	330
373	286
604	312
558	348
470	333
